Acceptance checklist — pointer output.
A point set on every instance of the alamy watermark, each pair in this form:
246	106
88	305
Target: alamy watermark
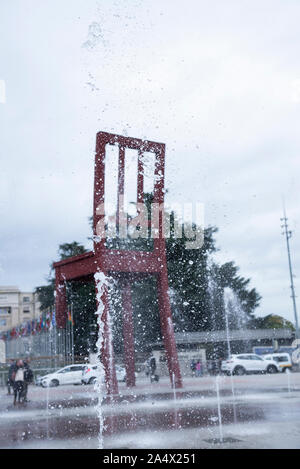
159	221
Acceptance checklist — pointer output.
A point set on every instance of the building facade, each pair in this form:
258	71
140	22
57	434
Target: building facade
17	307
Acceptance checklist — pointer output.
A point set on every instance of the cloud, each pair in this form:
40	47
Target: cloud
218	84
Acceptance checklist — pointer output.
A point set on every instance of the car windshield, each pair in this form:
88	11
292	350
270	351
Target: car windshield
281	359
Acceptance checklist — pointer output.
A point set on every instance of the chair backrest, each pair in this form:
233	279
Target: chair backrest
145	151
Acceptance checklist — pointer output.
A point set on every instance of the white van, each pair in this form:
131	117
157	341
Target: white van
283	360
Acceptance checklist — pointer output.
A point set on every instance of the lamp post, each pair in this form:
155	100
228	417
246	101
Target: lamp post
287	233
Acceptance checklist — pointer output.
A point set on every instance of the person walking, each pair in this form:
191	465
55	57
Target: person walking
152	366
10	382
193	367
199	368
18	380
28	378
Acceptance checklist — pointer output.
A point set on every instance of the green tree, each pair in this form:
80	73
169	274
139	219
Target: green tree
70	249
271	321
46	292
188	279
80	297
244	300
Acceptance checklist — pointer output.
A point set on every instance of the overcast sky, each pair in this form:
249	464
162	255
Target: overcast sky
217	81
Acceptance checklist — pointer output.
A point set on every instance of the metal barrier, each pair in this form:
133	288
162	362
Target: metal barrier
50	348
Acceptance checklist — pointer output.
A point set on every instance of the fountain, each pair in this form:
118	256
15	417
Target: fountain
101	284
219	408
227	298
288	374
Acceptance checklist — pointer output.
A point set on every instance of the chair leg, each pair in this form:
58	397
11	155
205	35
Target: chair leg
168	329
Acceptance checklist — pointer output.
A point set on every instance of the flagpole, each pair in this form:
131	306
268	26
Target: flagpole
55	336
72	333
69	343
63	344
48	351
66	343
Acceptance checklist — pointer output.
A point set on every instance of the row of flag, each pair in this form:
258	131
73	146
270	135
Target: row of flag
44	323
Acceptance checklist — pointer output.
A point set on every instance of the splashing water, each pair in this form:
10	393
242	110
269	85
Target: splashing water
175	401
48	410
219	407
227	322
288	375
235	312
227	297
101	285
95	36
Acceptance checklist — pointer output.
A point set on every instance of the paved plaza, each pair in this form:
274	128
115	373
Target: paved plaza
257	411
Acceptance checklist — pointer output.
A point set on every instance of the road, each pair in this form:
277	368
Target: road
256	411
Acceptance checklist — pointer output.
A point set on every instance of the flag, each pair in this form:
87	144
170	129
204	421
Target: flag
39	325
70	318
48	322
23	330
28	328
53	320
33	327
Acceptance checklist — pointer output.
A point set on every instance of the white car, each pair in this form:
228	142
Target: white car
68	375
90	374
248	363
283	360
38	380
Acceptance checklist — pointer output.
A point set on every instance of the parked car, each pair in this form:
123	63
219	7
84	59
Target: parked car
68	375
90	374
248	363
283	360
38	380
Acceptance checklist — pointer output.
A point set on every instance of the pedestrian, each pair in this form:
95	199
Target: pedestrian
220	365
9	378
198	368
152	365
28	378
147	368
193	367
18	380
213	367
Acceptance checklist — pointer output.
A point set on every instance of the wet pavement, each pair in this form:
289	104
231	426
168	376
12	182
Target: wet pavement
263	411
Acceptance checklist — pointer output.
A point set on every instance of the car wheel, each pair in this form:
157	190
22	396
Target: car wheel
92	380
271	369
239	370
54	383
